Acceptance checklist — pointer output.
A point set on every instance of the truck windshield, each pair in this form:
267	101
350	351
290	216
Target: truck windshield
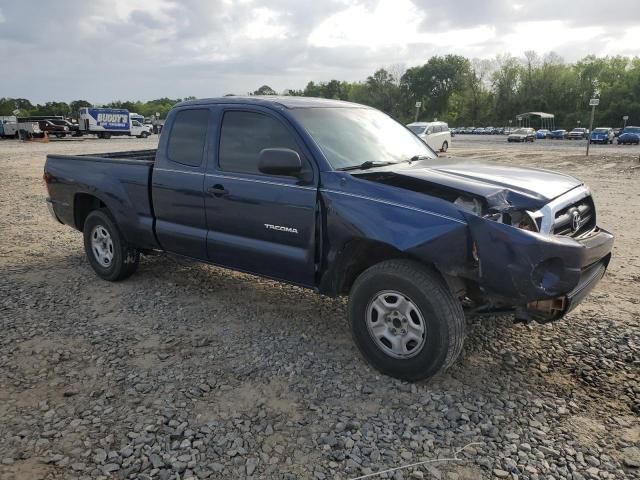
351	136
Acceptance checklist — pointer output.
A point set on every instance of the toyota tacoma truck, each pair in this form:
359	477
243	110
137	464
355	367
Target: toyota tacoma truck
342	199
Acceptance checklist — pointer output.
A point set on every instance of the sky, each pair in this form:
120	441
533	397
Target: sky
104	50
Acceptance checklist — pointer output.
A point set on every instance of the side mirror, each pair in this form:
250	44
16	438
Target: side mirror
280	161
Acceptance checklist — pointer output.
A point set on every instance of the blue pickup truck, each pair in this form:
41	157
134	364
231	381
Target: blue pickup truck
340	198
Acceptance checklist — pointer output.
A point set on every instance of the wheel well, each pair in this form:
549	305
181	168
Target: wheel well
83	205
356	257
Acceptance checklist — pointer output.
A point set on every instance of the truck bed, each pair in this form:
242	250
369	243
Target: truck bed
119	180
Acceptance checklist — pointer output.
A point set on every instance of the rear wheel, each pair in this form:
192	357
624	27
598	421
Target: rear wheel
109	254
405	321
445	146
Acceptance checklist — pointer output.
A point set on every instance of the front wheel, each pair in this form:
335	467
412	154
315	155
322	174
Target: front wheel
405	321
109	254
445	146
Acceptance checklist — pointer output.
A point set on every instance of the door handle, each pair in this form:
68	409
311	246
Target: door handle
217	190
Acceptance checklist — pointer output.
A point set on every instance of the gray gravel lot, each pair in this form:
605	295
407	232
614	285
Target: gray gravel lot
190	371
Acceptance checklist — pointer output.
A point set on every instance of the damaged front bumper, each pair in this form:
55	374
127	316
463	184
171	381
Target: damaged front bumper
543	276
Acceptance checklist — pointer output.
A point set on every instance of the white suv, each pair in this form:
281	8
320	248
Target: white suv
435	134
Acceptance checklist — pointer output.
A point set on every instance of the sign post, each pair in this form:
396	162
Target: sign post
625	118
418	105
593	103
16	112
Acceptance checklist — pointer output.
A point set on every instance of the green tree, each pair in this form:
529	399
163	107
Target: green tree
265	90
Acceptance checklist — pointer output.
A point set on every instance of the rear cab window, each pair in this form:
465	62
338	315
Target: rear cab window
188	137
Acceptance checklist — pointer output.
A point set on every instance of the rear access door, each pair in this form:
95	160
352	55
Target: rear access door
260	223
178	179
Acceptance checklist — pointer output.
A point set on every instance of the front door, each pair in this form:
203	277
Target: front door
259	223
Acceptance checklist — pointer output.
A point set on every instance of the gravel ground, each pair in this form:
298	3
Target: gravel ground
190	371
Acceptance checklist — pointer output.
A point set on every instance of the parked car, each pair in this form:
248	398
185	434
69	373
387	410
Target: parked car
542	133
343	200
559	134
630	135
73	128
578	134
522	135
478	131
53	129
434	134
602	135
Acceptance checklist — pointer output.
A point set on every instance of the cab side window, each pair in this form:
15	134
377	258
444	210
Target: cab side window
188	137
245	134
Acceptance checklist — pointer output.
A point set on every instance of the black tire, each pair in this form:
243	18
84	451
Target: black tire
125	258
440	312
106	135
445	146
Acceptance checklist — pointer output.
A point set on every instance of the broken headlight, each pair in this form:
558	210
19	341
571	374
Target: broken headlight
516	218
520	219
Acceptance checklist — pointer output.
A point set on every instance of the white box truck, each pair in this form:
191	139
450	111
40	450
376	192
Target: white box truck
106	122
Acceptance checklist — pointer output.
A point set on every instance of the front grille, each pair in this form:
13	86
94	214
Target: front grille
575	219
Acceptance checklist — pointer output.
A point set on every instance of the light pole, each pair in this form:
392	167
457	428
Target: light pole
16	112
418	105
593	103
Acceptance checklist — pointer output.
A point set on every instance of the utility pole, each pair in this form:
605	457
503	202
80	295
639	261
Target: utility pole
418	105
593	103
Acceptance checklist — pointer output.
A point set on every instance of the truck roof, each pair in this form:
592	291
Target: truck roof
271	100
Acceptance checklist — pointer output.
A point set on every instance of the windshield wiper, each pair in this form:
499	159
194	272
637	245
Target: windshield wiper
365	165
415	158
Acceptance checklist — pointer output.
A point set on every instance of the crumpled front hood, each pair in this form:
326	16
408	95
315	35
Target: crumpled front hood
500	186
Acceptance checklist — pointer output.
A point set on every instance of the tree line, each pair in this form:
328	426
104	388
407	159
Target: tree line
481	92
458	90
